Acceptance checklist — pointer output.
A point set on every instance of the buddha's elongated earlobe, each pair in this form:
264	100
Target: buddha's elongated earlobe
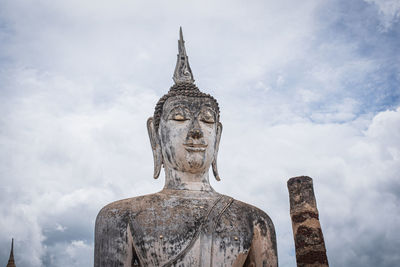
215	170
214	163
155	147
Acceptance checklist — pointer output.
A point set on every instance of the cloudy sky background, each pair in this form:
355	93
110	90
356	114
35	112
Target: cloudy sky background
305	88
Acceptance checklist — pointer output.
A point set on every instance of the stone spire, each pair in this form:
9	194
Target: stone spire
182	73
11	262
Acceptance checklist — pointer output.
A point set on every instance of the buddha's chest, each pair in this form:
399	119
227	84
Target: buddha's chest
191	233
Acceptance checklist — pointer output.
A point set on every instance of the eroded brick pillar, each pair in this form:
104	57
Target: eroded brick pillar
308	238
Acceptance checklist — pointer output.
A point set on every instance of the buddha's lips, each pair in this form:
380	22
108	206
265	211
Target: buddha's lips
195	147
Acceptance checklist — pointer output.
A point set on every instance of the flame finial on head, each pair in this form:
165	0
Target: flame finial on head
182	73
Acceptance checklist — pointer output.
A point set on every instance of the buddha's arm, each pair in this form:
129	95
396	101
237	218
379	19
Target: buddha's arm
111	243
263	250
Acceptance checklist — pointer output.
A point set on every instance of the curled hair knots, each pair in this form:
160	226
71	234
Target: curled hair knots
181	89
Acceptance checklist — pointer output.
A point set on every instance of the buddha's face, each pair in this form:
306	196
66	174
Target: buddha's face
188	133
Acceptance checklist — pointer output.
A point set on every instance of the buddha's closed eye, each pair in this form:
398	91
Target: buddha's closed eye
179	114
179	117
207	116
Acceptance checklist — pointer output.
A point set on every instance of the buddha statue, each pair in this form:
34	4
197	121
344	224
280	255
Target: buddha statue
187	223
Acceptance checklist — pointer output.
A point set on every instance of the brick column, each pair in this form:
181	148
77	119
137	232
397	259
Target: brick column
308	237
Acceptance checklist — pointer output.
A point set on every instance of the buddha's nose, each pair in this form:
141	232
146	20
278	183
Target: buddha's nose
195	131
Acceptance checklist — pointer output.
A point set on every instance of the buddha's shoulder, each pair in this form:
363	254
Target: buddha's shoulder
250	212
129	206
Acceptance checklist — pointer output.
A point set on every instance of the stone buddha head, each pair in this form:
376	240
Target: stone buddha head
185	130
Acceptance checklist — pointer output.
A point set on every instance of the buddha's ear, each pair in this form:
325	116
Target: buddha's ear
155	147
214	163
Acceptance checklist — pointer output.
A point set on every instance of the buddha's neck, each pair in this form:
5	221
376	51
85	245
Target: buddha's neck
178	180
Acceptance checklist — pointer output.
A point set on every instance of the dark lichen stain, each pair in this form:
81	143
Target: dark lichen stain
307	236
301	217
312	257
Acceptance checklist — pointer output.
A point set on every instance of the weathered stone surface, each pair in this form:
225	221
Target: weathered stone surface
157	227
309	241
187	223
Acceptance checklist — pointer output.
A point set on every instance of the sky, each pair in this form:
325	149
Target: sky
305	88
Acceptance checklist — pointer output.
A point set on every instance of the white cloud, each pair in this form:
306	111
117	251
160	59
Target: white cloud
389	11
74	253
60	228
